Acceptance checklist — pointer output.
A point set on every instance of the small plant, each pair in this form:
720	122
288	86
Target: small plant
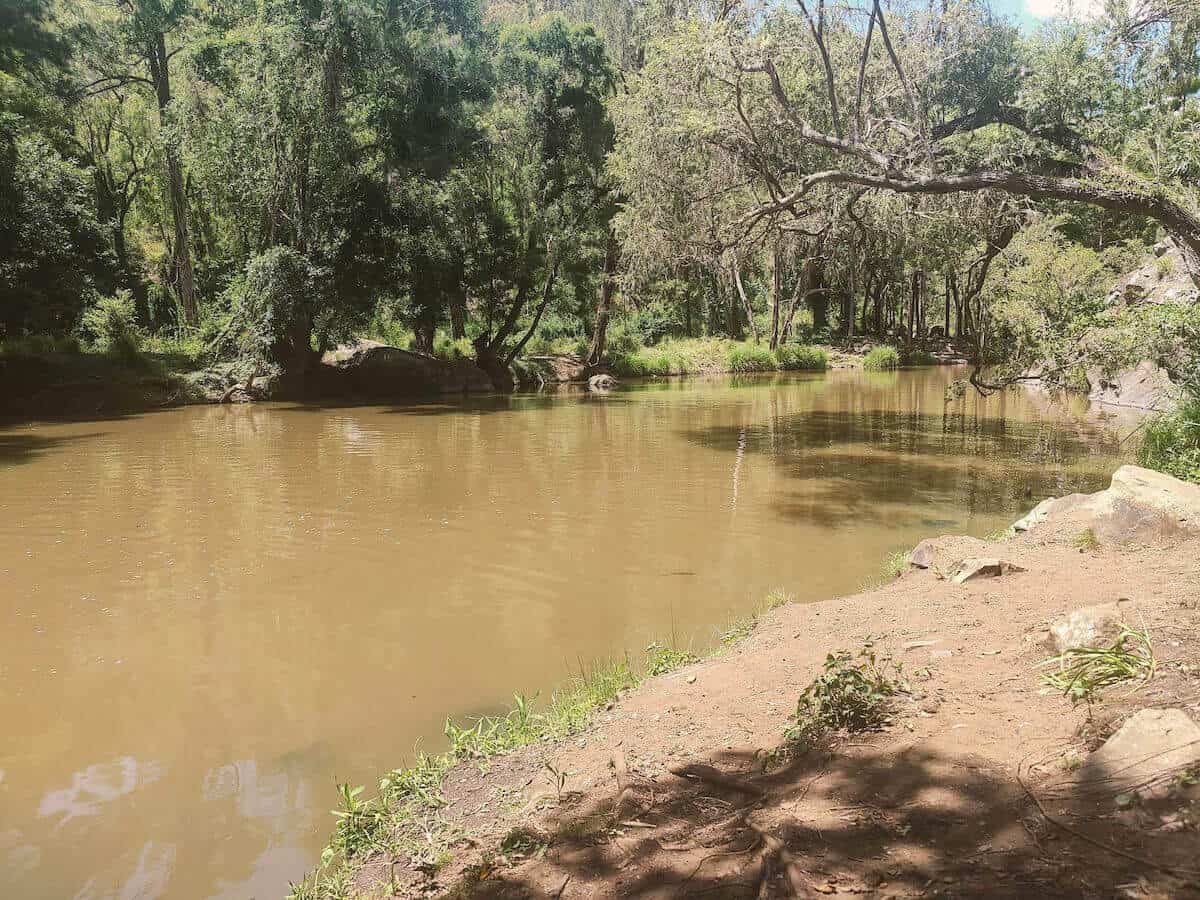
1000	534
558	777
1086	541
799	357
1085	671
881	359
660	659
847	696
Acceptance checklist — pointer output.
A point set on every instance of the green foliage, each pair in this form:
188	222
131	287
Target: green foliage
1085	671
110	327
882	358
798	357
920	358
453	350
1171	443
276	303
846	696
751	358
661	659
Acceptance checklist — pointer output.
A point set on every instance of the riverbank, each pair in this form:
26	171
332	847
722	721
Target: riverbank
983	779
61	383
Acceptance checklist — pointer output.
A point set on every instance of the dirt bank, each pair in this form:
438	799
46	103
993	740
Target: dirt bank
684	786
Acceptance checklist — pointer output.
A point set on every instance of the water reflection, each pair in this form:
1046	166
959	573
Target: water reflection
212	615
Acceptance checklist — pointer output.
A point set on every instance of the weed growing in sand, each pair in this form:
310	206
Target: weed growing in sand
847	696
1086	541
1000	534
660	659
1085	671
741	628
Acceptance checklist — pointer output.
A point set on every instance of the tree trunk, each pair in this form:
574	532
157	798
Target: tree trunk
741	289
604	300
776	291
458	312
184	276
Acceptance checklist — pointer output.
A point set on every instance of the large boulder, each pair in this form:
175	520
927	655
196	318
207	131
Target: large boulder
1154	745
369	369
1145	388
1139	506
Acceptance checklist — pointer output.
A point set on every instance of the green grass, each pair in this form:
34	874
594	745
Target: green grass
405	817
801	357
881	359
1171	443
1086	541
698	356
660	659
751	358
1085	671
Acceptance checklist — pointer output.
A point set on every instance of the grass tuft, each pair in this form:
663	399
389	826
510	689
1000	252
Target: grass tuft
1085	671
920	358
751	358
801	358
882	359
660	659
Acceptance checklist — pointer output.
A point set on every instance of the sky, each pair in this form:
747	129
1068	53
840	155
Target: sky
1028	12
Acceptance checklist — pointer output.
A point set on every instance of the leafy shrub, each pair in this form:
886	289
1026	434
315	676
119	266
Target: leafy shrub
921	358
882	358
1172	443
801	357
110	325
749	358
277	302
846	696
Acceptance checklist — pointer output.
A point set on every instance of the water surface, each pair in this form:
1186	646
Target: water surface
211	615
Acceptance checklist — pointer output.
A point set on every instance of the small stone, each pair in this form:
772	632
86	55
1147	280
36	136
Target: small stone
922	555
984	567
1089	626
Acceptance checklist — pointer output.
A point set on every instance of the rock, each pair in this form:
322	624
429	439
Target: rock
983	567
922	555
601	382
371	369
1145	387
1139	506
1152	744
1090	626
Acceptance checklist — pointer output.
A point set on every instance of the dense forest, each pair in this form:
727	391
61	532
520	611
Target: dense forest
487	180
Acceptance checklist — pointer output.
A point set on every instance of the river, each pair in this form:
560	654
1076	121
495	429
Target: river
212	614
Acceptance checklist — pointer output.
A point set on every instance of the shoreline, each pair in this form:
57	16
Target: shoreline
614	808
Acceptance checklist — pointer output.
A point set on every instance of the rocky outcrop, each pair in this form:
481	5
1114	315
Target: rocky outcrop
1152	746
1139	506
369	369
1164	279
1146	388
601	383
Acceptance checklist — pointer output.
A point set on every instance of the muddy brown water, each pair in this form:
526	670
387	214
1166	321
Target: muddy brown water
211	615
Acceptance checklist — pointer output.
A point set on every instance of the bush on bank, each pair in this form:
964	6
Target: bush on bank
1171	443
700	356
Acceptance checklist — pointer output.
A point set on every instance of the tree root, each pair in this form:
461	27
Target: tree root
711	776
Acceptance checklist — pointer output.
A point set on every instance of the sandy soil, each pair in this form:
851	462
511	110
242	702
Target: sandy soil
969	792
